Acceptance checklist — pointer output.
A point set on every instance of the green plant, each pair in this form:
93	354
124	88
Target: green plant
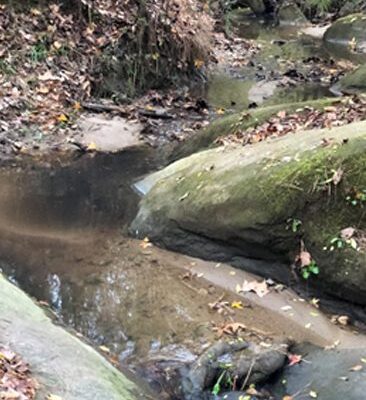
217	387
321	6
38	52
7	68
358	198
311	269
294	224
338	242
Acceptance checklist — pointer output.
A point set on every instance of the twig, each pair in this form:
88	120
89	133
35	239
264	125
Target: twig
158	114
248	375
97	107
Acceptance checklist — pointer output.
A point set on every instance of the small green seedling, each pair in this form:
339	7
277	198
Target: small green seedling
311	269
294	224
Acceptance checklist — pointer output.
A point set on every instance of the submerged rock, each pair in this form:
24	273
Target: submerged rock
236	204
62	364
348	31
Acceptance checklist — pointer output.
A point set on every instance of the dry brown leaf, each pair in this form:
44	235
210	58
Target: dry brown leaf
260	288
347	233
337	176
356	368
304	258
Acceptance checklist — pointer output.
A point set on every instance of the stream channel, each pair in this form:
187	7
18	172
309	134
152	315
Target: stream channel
63	239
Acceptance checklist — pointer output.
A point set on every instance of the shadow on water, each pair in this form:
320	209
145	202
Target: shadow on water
89	192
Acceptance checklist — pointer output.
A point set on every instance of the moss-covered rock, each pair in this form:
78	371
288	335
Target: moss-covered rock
240	199
354	82
348	31
61	363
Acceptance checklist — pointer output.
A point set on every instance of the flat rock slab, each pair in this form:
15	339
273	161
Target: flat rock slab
61	363
108	135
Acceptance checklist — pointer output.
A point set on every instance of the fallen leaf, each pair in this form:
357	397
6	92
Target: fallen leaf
304	258
294	359
287	398
313	394
356	368
146	243
347	233
260	288
237	304
315	302
62	118
231	329
91	147
184	196
53	397
104	349
337	176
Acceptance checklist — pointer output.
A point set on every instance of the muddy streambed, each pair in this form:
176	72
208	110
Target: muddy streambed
63	240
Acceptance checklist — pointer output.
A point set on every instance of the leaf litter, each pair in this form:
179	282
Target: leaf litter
16	381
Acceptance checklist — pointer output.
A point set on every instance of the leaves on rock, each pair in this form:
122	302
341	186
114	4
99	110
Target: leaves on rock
260	288
294	359
231	329
16	381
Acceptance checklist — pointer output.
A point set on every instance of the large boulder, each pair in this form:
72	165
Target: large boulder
354	82
348	31
62	364
236	204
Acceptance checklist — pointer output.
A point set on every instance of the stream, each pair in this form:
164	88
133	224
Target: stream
64	240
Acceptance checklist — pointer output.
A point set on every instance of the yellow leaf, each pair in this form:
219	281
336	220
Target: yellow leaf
198	63
145	243
53	397
220	111
62	118
313	394
237	304
287	398
57	45
43	89
91	146
35	11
